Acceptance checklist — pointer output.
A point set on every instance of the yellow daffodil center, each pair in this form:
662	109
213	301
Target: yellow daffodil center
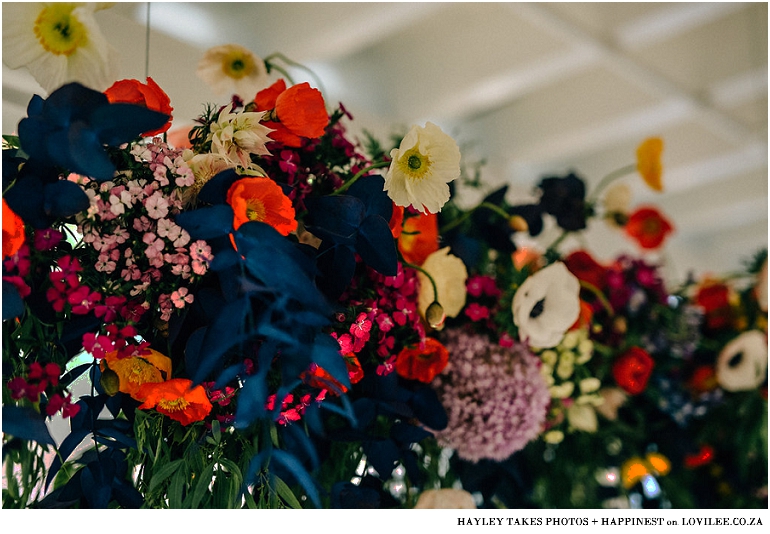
173	405
237	65
415	165
255	210
58	31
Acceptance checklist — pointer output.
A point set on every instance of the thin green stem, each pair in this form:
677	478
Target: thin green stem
557	242
607	180
599	295
426	273
358	175
464	217
278	55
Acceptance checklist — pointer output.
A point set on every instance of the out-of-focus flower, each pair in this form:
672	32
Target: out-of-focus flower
617	202
715	297
422	363
237	136
419	238
742	363
177	399
58	43
546	305
446	498
449	273
760	289
582	417
632	370
586	268
149	95
294	113
135	371
564	198
495	398
232	67
424	163
705	455
648	227
13	231
261	199
648	162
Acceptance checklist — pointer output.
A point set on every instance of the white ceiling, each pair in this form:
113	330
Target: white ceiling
533	89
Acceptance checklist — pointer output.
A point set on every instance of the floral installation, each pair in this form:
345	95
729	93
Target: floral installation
272	313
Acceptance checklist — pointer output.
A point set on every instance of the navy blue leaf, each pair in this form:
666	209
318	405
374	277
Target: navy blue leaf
226	331
376	246
383	455
335	218
326	353
224	259
215	190
346	410
405	434
346	495
120	123
252	399
291	463
25	200
118	436
64	198
370	189
96	482
127	496
192	350
79	150
26	424
13	305
208	222
428	409
337	264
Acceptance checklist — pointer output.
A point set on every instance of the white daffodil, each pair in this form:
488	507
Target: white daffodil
742	364
450	274
233	67
236	136
546	305
421	167
58	43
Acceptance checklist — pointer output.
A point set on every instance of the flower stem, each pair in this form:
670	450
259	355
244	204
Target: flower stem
358	175
608	179
423	271
488	205
599	295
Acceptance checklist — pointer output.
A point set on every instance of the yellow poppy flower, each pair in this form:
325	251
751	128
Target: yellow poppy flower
135	371
648	162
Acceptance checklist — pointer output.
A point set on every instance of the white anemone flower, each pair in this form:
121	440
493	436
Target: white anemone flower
232	66
450	274
236	136
421	167
546	305
742	363
58	43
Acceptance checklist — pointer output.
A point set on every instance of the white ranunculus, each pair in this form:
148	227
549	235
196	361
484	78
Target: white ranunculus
445	499
450	274
546	305
58	43
424	163
742	363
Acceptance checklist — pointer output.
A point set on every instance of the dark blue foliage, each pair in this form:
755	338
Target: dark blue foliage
13	305
349	496
26	424
291	464
71	127
208	222
96	482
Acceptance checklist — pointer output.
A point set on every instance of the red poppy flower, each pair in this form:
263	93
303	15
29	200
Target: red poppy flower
296	112
632	370
176	399
703	379
261	199
714	298
586	268
419	238
422	364
648	227
705	455
13	231
149	95
320	378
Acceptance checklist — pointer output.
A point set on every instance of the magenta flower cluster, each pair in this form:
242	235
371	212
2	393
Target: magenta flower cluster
495	398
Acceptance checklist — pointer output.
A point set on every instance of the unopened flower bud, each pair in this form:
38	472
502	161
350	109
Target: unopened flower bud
517	223
109	381
435	315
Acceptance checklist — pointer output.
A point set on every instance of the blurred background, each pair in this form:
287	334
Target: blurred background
529	89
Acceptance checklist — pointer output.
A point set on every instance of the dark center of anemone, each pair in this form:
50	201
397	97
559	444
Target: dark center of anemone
735	360
537	309
238	65
414	162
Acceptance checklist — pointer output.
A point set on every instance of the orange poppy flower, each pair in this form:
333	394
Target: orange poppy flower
176	399
13	231
648	162
320	378
396	221
261	199
422	364
419	238
135	371
149	95
648	227
296	112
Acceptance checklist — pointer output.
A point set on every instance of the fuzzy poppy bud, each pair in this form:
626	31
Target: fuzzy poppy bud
435	315
109	381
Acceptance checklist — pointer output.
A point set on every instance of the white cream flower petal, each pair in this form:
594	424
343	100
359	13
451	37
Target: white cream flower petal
217	69
424	163
446	498
450	274
546	305
582	417
20	46
742	363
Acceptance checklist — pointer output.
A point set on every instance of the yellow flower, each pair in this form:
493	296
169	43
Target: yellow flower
421	167
135	371
648	162
58	43
233	66
449	273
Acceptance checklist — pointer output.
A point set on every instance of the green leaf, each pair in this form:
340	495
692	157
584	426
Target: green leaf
163	473
204	480
176	489
286	494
